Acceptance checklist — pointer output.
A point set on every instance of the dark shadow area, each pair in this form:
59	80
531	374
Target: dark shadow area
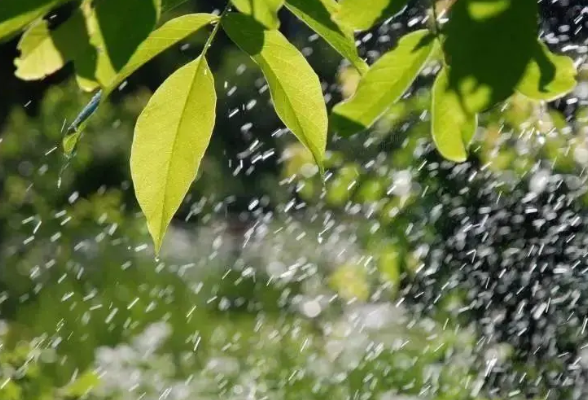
344	126
489	51
12	8
245	31
317	11
73	42
120	41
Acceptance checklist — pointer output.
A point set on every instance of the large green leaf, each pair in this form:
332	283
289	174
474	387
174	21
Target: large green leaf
117	28
264	11
43	52
317	15
294	87
548	76
15	15
362	15
451	126
383	84
171	136
488	45
164	37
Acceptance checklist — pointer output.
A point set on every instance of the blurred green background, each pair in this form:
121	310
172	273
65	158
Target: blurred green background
271	284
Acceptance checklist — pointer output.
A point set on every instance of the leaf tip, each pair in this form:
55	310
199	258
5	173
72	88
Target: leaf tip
157	238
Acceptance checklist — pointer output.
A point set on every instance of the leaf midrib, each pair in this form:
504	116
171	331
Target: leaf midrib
298	122
162	223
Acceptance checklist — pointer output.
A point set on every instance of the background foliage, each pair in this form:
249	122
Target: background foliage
386	281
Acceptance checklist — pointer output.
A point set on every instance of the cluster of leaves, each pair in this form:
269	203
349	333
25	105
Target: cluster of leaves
488	50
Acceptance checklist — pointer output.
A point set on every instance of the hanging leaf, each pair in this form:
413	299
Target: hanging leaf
548	76
488	45
158	41
43	52
359	15
453	128
116	39
264	11
15	15
294	87
317	15
384	83
171	136
169	34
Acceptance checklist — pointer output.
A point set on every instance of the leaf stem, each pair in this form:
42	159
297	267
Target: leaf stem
215	29
436	27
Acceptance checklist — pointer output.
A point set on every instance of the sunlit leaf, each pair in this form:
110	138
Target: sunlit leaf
384	83
43	52
348	80
294	86
171	136
362	15
116	39
264	11
488	45
317	15
15	15
39	57
82	385
548	76
452	127
158	41
164	37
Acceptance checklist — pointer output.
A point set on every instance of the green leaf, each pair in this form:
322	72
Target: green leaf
171	136
158	41
548	76
86	56
39	56
384	83
15	15
264	11
82	385
43	52
452	127
117	28
317	15
488	46
360	15
295	88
